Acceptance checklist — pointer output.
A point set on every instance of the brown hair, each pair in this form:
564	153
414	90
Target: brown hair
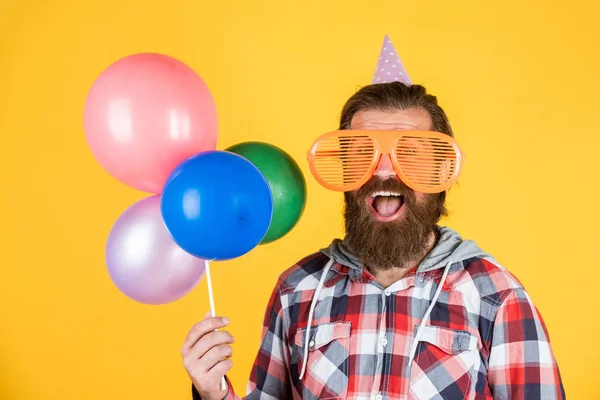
395	96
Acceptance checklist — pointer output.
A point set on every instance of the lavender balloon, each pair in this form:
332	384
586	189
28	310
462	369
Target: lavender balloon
144	262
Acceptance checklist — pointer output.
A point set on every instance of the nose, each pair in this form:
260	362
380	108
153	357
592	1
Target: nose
385	168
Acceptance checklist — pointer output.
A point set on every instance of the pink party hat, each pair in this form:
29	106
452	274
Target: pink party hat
389	66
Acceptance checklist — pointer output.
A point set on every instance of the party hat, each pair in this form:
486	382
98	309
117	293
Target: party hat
389	66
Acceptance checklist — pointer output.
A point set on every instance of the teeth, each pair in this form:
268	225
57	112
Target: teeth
382	193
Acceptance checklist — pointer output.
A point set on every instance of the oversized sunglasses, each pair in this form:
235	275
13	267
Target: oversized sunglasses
426	161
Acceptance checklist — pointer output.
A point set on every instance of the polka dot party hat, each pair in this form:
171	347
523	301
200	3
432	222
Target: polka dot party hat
389	66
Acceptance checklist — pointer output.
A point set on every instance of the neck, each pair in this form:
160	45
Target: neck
389	276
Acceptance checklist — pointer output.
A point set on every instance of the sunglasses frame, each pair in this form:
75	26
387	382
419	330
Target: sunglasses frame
385	139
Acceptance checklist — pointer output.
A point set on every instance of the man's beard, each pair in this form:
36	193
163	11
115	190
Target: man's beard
397	243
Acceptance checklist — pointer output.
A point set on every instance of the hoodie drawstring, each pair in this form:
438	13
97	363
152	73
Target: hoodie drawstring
313	304
413	348
315	299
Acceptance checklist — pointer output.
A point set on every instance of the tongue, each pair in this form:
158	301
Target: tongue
386	205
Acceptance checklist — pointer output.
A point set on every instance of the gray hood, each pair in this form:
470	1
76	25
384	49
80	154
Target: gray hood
450	247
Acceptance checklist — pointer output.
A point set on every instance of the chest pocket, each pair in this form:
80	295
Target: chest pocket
444	364
327	369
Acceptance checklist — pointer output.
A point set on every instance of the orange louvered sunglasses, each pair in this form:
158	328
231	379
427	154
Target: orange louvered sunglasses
426	161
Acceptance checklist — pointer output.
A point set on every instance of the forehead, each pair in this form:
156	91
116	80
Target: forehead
408	119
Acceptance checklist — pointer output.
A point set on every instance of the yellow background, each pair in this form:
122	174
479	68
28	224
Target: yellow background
519	82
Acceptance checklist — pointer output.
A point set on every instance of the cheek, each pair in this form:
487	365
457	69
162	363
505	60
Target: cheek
425	200
421	198
352	195
351	199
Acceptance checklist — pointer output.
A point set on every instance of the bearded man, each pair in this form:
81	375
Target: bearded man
401	308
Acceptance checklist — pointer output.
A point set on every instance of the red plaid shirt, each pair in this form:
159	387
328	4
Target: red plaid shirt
484	338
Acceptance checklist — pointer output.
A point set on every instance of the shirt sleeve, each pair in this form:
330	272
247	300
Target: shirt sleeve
269	378
522	364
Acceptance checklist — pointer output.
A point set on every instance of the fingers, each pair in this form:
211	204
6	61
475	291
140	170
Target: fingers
206	351
207	342
200	329
220	370
214	356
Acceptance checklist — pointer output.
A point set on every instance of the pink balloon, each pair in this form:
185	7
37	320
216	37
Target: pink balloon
143	260
144	115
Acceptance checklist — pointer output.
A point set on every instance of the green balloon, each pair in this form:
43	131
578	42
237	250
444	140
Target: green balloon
286	180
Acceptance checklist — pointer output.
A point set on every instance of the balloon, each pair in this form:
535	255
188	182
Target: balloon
217	205
286	181
144	115
144	262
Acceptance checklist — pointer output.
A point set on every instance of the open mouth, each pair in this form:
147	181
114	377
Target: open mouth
386	206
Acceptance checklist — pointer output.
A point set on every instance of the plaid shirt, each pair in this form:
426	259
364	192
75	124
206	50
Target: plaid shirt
484	338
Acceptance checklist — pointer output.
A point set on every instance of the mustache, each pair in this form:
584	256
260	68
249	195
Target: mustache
386	185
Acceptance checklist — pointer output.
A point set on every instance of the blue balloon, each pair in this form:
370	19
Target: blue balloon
217	205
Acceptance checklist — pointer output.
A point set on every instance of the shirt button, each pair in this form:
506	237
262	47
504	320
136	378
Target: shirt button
387	292
311	344
378	396
383	341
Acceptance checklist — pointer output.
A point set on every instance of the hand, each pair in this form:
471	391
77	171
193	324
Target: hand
206	355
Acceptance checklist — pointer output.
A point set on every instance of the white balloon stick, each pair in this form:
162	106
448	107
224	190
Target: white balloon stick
211	299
